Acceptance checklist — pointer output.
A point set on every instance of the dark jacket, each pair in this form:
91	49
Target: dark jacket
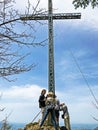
42	101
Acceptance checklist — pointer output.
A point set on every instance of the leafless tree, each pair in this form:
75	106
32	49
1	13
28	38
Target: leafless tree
15	34
5	125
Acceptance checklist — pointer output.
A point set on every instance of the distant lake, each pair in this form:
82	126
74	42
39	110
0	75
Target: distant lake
15	126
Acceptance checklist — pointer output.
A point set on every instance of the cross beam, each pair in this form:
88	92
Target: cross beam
55	16
50	17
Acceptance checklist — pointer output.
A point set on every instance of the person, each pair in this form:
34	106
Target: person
42	99
65	116
57	109
50	108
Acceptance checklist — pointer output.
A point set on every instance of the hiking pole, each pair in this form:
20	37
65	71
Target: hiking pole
36	116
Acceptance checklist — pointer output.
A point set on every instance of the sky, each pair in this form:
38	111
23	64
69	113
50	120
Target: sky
76	60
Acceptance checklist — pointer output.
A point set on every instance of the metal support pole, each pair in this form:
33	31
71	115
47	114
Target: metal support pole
51	77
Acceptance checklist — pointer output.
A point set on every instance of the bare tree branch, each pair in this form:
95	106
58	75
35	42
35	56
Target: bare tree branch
13	39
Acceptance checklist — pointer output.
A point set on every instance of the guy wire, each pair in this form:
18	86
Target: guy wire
86	81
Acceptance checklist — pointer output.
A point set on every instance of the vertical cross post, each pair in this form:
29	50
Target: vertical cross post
50	17
51	77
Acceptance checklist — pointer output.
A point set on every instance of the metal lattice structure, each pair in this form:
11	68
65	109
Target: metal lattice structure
54	16
50	17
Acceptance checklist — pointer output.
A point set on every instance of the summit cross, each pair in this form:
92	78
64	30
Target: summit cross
50	17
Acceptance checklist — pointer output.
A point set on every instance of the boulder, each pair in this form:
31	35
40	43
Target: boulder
35	126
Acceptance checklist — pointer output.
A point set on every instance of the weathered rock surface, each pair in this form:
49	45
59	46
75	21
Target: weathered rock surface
35	126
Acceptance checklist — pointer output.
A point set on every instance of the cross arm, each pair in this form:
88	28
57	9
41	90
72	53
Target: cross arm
67	16
34	17
54	16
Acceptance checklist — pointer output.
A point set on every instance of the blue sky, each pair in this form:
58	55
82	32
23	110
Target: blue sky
76	38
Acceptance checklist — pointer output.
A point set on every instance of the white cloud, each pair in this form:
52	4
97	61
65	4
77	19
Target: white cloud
26	91
79	101
22	101
89	16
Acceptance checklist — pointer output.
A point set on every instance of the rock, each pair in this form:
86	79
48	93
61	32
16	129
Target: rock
35	126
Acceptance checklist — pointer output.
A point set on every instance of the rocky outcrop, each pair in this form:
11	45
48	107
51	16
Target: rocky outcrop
35	126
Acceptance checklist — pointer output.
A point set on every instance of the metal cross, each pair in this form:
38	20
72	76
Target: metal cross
50	17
